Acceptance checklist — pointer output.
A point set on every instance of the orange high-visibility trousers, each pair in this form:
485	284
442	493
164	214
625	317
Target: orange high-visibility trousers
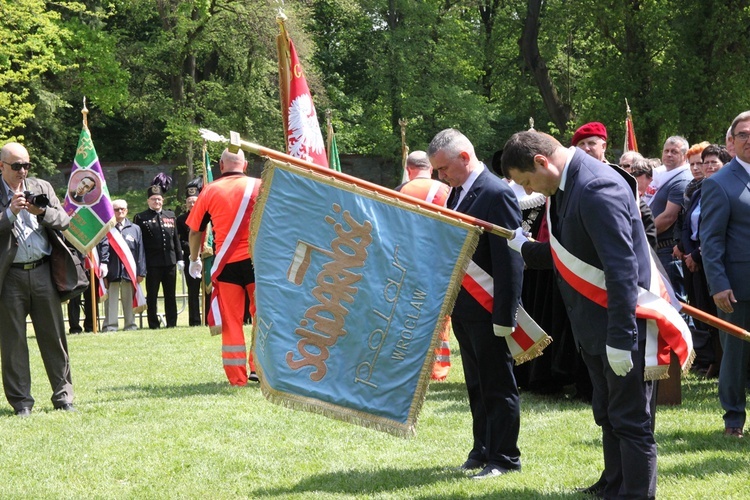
234	353
443	354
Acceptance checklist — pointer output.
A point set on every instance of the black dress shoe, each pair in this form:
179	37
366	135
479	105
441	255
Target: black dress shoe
596	490
492	471
253	377
23	412
472	464
66	407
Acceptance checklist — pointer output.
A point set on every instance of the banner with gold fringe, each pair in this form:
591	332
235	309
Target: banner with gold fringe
350	305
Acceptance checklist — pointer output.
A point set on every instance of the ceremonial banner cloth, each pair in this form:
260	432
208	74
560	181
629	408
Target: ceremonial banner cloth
87	199
352	291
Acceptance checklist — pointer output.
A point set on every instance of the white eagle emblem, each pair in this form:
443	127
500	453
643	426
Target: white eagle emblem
304	137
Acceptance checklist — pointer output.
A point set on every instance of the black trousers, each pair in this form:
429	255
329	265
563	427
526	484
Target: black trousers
493	394
622	408
166	278
74	310
194	299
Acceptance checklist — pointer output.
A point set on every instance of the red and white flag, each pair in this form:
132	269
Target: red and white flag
630	142
303	136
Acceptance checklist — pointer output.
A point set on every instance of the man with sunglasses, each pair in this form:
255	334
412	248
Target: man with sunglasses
26	287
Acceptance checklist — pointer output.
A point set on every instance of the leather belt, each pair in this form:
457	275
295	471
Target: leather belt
27	266
666	243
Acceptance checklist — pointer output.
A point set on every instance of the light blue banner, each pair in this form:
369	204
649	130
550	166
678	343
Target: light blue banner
352	289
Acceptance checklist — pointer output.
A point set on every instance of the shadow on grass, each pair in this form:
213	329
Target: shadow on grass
391	480
174	391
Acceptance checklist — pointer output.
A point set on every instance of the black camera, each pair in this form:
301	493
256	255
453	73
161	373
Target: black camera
38	200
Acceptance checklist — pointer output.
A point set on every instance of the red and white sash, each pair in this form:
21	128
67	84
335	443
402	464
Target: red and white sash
241	219
666	331
528	340
121	248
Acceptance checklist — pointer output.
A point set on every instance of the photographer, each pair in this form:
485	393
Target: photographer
26	286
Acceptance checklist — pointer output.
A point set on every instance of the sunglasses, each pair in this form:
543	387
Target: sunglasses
19	165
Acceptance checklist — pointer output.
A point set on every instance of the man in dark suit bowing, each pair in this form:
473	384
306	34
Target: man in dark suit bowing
600	254
487	362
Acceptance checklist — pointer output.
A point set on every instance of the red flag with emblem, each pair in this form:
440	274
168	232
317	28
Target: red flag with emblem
303	136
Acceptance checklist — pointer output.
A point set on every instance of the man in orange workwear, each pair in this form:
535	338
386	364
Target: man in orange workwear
228	204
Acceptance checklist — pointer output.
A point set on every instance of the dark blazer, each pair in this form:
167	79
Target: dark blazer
491	199
689	246
725	230
132	236
54	218
596	218
161	242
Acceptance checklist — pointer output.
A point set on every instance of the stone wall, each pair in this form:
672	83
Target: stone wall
133	175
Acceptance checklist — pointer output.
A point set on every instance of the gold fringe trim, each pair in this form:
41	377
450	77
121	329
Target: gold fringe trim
656	372
534	351
688	363
214	330
139	309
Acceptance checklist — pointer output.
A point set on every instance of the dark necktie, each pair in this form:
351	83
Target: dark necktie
454	196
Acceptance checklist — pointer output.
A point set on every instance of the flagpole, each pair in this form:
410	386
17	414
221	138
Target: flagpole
404	150
92	289
236	143
282	46
329	133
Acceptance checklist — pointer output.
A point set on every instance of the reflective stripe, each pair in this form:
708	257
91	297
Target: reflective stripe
234	361
443	359
233	348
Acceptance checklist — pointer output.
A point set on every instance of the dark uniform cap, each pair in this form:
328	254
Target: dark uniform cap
194	187
154	190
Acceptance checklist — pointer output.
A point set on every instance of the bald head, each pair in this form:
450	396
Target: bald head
13	150
232	162
418	165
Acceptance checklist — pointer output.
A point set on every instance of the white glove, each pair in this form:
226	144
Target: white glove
196	266
619	360
180	265
103	270
502	331
518	239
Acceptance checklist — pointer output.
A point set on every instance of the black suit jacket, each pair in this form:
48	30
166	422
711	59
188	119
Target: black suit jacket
596	218
491	199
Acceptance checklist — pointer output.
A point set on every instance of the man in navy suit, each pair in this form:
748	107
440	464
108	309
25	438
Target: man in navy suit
487	362
724	234
594	219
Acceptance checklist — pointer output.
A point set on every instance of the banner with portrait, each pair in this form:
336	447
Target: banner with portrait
352	291
87	199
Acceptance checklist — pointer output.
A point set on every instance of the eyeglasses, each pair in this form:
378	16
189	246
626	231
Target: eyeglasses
712	162
19	165
743	136
118	209
625	165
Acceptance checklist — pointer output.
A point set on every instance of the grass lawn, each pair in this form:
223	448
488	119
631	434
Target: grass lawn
157	419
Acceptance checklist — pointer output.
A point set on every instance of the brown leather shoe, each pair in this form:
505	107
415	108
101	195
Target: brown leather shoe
733	432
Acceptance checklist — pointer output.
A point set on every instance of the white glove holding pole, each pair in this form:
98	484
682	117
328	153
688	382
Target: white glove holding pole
180	265
620	361
502	331
518	239
196	267
103	270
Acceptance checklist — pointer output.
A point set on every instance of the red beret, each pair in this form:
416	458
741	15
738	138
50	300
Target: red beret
589	129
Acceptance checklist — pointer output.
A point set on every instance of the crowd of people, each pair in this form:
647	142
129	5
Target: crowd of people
571	207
